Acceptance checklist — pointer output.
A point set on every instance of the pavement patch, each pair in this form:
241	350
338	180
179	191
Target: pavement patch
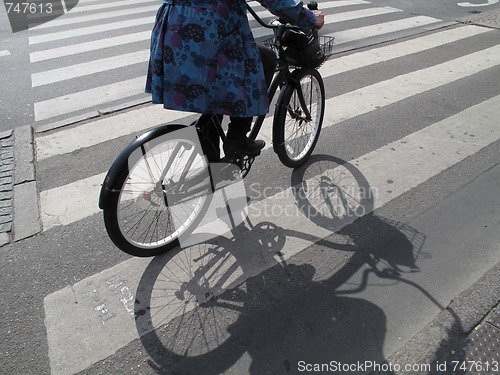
487	19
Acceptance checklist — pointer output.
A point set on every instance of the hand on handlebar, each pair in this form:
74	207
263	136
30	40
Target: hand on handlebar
320	18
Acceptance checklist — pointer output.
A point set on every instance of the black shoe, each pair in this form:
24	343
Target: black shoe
245	146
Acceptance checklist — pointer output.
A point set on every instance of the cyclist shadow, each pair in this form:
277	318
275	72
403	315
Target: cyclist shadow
201	310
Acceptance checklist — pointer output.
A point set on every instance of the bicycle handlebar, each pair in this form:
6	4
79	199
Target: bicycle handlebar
267	25
281	27
312	5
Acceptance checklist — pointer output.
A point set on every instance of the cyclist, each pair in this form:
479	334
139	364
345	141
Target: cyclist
204	59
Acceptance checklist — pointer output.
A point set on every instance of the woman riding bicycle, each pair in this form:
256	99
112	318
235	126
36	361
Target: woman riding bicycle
204	59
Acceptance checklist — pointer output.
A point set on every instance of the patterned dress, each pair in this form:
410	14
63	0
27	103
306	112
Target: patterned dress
204	58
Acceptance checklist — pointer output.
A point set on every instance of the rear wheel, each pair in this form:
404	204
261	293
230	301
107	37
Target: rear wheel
159	196
295	136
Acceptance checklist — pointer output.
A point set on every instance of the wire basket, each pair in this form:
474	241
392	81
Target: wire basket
326	45
300	56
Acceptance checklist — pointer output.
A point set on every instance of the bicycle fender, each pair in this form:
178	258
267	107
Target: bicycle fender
276	135
294	83
121	162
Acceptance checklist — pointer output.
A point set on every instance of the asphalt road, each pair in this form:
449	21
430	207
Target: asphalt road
417	130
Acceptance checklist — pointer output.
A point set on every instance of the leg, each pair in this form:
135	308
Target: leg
237	141
240	126
211	138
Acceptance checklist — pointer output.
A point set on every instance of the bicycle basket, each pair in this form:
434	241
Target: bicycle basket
304	50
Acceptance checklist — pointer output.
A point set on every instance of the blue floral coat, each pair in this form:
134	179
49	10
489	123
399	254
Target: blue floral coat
204	58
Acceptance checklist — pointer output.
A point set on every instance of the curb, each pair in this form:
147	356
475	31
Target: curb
489	19
19	209
26	221
91	115
440	340
6	185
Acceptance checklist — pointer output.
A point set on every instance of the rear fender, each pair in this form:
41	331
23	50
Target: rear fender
109	186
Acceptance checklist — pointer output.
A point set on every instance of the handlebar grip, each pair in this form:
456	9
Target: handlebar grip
312	5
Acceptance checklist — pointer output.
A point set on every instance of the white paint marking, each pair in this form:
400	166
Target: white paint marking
114	26
99	310
382	28
81	193
63	21
357	14
99	5
4	53
95	45
468	4
89	98
88	68
109	128
369	98
397	50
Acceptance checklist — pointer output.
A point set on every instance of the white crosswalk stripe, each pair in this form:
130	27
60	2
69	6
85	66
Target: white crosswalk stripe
426	152
84	99
88	46
384	28
95	17
71	54
85	69
84	31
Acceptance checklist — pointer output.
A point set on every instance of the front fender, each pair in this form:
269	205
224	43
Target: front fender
122	161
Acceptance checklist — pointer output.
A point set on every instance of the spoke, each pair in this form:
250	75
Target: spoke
300	134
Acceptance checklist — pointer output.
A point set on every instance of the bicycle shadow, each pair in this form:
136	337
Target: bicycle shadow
202	309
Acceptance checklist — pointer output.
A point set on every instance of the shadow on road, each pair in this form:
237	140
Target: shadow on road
202	309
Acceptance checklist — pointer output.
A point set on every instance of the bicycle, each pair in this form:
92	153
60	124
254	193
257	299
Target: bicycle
160	186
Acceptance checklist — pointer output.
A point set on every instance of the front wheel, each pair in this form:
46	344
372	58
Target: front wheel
160	195
294	135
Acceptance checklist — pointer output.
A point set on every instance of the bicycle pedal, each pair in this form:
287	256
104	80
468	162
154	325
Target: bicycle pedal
249	155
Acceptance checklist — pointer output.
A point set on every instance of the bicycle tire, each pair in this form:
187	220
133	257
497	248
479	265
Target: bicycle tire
156	230
294	137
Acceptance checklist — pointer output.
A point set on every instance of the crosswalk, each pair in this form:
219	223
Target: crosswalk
95	56
347	106
364	100
362	86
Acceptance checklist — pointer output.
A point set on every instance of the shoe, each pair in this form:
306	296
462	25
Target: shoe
245	146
